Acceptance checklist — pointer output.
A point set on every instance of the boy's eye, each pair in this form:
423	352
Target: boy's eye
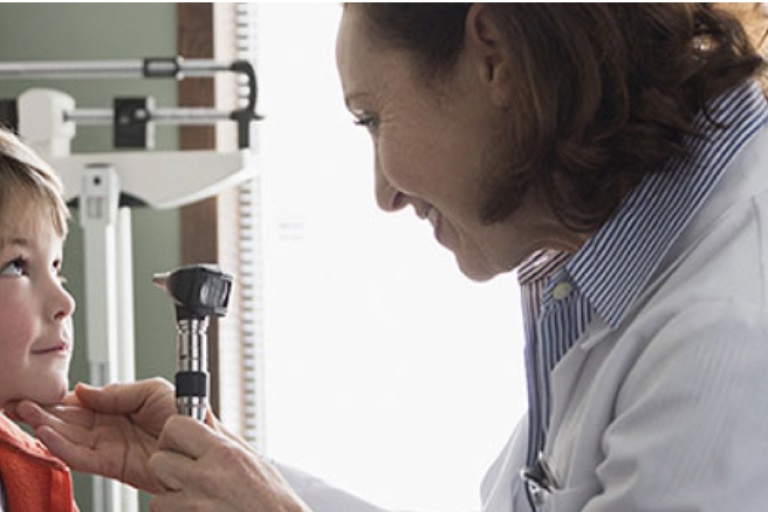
56	269
16	267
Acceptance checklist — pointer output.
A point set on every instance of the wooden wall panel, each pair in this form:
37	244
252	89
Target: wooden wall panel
199	234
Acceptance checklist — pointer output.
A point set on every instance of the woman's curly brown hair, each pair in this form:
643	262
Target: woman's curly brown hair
606	93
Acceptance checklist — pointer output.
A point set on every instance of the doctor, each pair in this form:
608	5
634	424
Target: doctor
616	155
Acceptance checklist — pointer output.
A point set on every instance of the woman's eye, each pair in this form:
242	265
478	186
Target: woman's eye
368	121
17	267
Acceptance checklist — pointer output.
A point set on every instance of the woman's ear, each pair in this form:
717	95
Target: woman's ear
486	44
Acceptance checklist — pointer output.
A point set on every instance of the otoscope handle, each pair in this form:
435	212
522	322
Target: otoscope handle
190	401
192	387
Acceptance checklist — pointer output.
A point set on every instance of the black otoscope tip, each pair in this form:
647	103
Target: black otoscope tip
198	291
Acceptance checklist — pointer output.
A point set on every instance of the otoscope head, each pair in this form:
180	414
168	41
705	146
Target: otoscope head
198	291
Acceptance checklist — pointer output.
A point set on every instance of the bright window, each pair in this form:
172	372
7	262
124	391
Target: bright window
388	373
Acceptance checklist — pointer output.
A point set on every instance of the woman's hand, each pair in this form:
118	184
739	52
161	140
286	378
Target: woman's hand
208	470
110	431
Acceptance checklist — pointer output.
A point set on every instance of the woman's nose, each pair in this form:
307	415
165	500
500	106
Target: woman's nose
388	197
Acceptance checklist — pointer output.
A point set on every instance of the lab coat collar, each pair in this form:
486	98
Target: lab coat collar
614	266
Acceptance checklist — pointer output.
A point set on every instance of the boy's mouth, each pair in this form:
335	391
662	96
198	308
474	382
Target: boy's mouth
61	346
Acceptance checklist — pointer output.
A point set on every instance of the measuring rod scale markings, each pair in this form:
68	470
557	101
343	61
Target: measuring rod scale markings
198	292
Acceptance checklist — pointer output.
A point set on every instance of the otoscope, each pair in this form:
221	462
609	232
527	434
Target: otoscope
198	292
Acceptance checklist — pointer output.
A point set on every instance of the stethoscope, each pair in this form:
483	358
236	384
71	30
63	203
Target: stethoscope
539	481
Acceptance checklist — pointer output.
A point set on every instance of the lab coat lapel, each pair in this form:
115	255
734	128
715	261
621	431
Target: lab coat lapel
568	372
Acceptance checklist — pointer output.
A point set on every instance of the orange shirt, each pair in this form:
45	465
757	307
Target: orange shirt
33	479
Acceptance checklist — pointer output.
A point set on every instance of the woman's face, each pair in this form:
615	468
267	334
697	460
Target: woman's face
442	151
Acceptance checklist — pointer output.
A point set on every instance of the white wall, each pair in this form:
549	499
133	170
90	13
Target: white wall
388	372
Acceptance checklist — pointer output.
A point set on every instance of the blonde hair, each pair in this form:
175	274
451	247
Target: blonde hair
26	181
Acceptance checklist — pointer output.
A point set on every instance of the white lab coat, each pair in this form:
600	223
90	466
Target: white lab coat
668	412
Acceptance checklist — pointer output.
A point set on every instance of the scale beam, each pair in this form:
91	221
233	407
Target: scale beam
162	67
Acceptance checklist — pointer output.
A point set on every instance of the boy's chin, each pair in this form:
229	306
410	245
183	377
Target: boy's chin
51	396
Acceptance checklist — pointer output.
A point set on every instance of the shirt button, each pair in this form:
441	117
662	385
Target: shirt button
562	290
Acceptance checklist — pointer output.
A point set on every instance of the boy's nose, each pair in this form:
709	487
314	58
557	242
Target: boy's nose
64	305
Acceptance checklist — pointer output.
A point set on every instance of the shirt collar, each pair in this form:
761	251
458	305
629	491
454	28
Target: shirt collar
541	264
614	266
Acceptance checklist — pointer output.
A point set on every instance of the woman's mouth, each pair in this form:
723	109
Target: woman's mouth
433	216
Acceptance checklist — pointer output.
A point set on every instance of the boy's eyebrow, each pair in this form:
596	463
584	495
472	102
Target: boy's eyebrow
15	240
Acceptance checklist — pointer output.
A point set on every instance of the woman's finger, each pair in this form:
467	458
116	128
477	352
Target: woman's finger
166	467
66	431
80	457
187	436
72	422
56	415
121	398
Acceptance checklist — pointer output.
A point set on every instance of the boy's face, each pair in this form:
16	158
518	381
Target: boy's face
35	311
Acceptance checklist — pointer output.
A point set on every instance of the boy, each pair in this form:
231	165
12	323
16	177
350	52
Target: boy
35	325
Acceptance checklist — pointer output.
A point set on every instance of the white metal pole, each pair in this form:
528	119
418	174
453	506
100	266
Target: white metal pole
98	217
126	342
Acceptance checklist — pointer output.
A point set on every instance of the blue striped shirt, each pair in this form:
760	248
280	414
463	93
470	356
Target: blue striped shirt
562	293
